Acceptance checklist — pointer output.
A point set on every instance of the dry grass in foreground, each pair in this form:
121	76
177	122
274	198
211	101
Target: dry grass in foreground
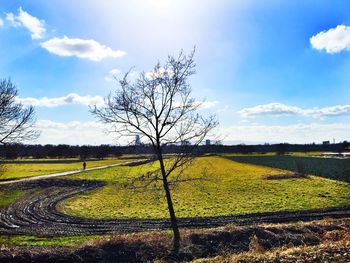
325	252
318	241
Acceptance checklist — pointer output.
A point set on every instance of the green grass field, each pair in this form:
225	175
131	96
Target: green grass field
230	188
333	168
305	154
32	167
69	241
9	196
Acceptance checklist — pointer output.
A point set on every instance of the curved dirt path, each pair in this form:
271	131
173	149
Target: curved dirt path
53	175
36	213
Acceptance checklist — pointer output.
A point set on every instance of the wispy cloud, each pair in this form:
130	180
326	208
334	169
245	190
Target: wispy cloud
208	104
76	132
81	48
112	74
295	133
34	25
283	109
333	40
269	109
71	98
1	23
73	132
337	110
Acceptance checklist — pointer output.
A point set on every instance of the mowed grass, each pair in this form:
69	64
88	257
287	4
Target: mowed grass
33	167
230	188
332	168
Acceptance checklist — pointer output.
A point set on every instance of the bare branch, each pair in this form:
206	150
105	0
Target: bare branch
16	121
159	107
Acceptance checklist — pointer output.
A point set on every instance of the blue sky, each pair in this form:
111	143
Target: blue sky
272	71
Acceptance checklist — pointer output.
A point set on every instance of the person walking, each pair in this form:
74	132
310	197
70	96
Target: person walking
84	165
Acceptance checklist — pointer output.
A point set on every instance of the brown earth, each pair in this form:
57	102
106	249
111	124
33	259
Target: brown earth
318	241
286	176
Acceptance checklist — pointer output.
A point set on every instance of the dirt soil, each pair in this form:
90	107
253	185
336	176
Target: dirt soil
286	176
251	244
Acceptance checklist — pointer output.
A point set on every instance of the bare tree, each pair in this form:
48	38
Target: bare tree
158	107
16	120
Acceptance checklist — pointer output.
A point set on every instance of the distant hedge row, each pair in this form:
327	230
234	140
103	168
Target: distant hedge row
338	169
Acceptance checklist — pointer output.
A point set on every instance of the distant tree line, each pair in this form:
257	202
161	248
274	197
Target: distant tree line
13	151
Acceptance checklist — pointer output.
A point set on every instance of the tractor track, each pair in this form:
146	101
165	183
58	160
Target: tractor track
36	213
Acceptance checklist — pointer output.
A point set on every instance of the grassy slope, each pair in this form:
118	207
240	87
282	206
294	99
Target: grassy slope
231	188
28	168
45	241
333	168
7	197
274	154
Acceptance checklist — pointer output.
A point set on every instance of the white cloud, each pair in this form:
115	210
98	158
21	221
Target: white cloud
333	40
81	48
76	132
71	98
208	104
283	109
1	23
24	19
296	133
73	133
270	109
10	17
337	110
112	74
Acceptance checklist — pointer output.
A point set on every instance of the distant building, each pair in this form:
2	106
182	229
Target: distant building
137	140
185	143
218	142
326	142
207	142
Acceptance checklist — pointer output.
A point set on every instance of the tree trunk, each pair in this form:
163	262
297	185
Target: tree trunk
173	219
